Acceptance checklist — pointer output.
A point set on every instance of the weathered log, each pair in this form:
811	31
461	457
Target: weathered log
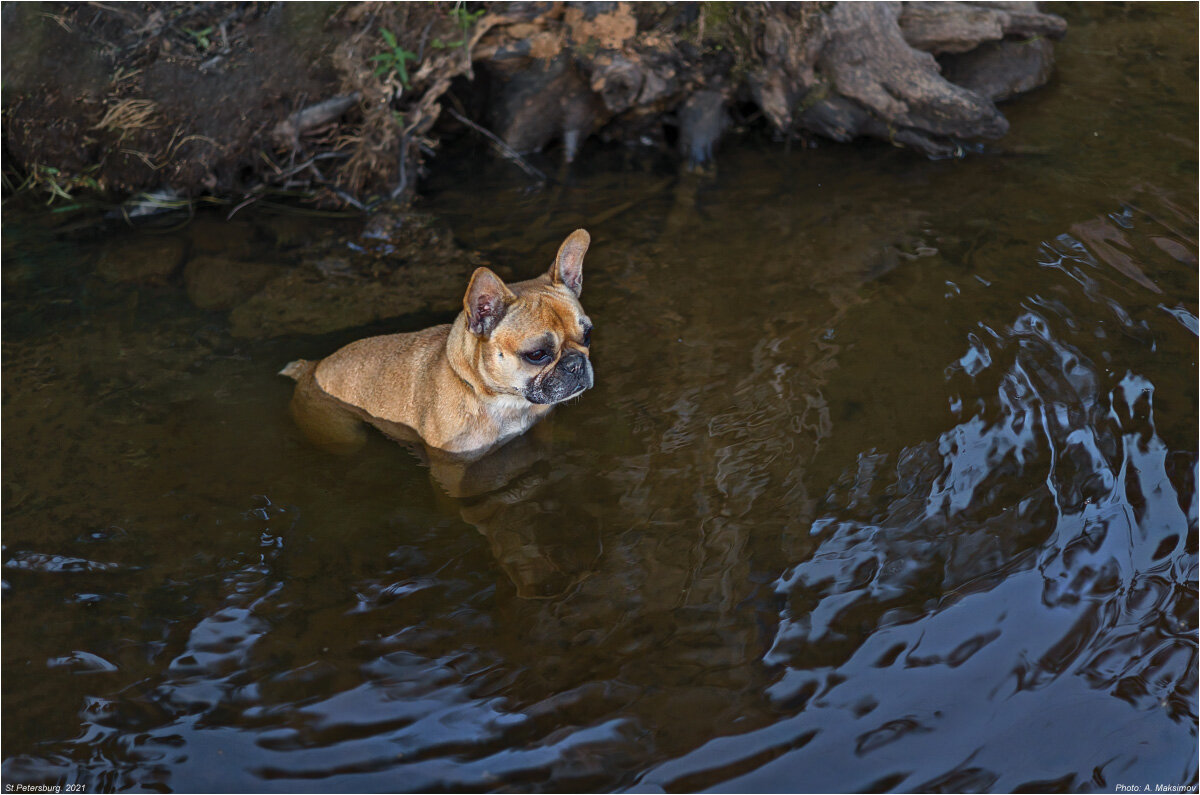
999	70
868	62
960	27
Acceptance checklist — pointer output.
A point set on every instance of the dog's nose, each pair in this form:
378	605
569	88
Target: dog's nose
573	364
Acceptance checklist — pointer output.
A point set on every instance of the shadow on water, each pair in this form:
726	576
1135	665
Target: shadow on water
888	481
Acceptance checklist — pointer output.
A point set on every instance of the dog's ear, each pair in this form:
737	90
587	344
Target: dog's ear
568	265
486	301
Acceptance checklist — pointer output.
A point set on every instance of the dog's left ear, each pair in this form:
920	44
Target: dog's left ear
486	302
568	265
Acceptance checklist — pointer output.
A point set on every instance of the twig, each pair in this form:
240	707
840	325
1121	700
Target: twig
403	182
292	171
341	194
346	197
507	150
114	10
250	200
424	37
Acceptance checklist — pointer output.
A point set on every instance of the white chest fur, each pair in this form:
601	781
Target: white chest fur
513	415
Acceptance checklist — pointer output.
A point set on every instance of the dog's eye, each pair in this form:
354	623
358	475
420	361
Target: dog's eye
587	337
537	357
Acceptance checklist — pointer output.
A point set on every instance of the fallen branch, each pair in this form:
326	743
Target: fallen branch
289	130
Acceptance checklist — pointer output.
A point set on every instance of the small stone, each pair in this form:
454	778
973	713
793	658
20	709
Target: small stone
212	235
215	282
401	264
380	226
302	302
141	260
288	231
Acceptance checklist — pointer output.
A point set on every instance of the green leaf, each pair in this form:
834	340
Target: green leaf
388	37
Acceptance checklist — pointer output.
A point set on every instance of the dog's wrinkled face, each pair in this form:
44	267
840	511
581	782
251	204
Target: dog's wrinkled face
534	337
547	355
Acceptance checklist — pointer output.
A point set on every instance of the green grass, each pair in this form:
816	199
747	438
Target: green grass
395	59
465	20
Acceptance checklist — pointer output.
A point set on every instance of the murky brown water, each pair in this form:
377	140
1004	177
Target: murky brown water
888	482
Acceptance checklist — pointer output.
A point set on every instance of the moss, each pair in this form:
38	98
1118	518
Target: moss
728	27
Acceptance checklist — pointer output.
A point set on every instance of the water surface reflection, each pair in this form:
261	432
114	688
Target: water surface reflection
888	481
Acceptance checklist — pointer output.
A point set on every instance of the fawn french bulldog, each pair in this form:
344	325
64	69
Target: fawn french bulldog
465	387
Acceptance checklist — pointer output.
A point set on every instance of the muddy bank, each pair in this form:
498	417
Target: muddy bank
343	103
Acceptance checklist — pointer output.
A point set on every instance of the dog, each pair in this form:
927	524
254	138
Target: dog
466	387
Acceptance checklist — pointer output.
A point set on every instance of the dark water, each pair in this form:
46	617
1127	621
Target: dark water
888	482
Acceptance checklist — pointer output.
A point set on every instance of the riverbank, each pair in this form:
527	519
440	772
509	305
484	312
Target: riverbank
344	104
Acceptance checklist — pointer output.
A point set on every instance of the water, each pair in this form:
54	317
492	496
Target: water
888	482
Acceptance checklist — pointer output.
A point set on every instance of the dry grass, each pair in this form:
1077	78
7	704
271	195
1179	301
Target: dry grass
384	145
128	115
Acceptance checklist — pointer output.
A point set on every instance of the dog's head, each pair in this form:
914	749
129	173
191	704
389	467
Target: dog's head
534	337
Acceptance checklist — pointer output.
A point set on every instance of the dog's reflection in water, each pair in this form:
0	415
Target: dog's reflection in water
505	492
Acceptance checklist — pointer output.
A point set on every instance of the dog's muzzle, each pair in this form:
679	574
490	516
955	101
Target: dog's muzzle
572	375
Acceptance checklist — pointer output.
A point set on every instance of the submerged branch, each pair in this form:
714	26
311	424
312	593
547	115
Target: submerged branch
504	148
